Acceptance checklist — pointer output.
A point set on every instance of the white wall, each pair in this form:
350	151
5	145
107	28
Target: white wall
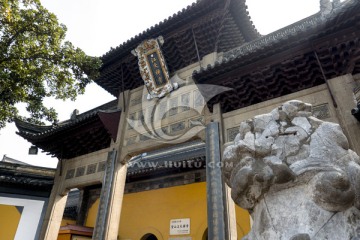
30	217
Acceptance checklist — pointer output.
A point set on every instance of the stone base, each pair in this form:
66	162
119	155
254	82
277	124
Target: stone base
291	214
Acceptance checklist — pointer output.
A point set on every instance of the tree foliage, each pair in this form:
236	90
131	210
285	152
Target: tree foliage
36	62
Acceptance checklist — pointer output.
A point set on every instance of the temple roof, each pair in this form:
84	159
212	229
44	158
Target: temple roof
72	202
26	179
211	25
181	157
12	160
84	133
286	60
305	30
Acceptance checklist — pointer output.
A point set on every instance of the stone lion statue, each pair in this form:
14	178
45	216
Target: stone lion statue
296	176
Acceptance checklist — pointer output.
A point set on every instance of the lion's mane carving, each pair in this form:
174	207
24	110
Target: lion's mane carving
275	153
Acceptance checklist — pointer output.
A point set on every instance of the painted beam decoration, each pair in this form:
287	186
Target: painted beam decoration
153	69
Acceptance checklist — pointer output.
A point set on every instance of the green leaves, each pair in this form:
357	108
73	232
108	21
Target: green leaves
36	62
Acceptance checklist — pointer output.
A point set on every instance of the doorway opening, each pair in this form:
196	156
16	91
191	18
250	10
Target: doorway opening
149	236
205	235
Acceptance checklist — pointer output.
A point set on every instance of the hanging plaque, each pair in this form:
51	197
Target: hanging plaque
153	69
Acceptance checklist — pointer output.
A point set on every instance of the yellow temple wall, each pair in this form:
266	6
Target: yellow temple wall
9	221
151	212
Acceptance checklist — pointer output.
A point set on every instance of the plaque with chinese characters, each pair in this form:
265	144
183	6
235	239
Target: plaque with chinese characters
153	69
180	226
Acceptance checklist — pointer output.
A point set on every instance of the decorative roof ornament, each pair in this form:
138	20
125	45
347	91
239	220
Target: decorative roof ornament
336	3
153	69
325	7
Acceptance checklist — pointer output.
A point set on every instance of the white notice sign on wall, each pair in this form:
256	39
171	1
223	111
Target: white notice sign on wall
180	226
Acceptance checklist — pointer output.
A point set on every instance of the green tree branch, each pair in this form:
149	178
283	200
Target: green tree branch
36	62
